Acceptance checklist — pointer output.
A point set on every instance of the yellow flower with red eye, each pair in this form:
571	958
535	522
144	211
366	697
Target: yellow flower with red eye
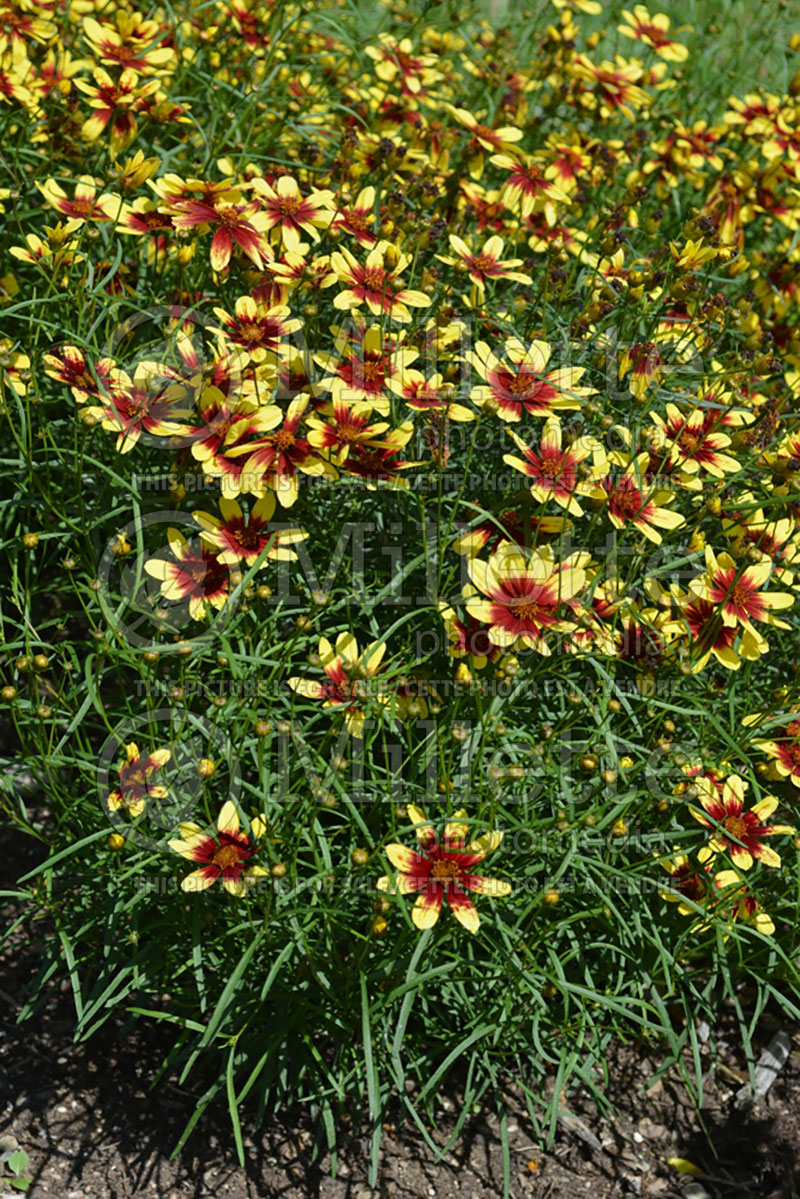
739	595
258	328
376	283
783	750
14	367
431	396
347	425
86	380
484	138
365	363
115	103
131	45
690	885
736	902
652	31
528	190
234	222
223	854
397	63
693	441
554	472
239	538
195	573
520	382
523	598
348	685
358	217
631	500
135	786
485	265
614	85
290	214
86	204
274	459
741	832
443	870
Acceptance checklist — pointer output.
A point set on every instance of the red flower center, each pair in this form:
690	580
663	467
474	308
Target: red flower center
484	262
288	205
228	216
283	439
627	501
226	856
375	278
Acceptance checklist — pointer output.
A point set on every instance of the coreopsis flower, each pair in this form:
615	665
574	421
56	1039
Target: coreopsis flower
443	870
377	283
652	31
238	538
701	622
86	380
375	466
739	595
116	103
223	854
553	471
644	362
523	597
135	171
520	381
346	425
397	63
149	402
13	71
527	189
86	204
131	45
348	685
274	459
484	139
431	396
17	27
366	361
614	85
631	500
690	885
691	445
195	574
739	903
783	750
134	787
358	218
51	255
290	213
485	265
234	223
258	329
14	367
468	640
741	832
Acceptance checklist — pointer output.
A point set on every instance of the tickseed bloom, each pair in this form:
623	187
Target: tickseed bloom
115	103
349	673
486	264
347	425
783	749
527	189
689	884
237	538
739	832
739	594
358	218
520	382
134	787
522	597
431	396
484	139
131	45
691	444
443	870
631	501
257	328
274	459
701	621
377	283
234	222
652	30
86	204
68	364
223	854
744	907
196	574
553	471
290	213
366	362
613	84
